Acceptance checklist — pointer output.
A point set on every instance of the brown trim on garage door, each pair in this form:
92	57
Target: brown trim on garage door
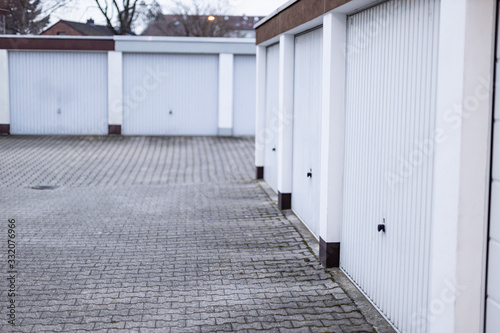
114	129
4	128
284	200
57	44
291	17
329	253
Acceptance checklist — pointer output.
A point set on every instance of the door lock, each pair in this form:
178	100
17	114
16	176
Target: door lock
381	227
310	173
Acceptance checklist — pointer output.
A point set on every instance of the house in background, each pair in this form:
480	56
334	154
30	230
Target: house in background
203	26
70	28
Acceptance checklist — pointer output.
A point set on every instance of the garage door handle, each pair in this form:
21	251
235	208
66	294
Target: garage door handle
381	227
170	112
310	174
274	149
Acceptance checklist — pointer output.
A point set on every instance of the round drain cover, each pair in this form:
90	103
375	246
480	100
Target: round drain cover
44	187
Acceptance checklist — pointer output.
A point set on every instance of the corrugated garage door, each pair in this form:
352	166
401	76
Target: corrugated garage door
271	128
58	93
307	127
244	95
493	290
390	137
170	94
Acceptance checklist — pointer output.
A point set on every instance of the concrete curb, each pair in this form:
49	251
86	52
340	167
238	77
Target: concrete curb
372	315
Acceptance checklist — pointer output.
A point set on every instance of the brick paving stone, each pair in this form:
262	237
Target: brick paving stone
156	234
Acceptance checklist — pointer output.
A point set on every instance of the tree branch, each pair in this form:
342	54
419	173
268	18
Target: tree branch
105	13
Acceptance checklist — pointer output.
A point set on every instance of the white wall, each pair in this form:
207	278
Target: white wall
4	88
115	88
332	133
493	258
285	114
244	99
226	84
462	162
260	107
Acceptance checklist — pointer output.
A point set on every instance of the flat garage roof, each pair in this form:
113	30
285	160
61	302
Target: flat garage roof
297	12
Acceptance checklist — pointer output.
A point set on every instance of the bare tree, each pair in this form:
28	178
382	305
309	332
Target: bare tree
28	16
202	18
125	12
50	6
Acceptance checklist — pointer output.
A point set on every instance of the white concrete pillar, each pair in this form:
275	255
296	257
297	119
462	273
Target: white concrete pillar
4	93
115	92
226	78
285	119
461	177
260	116
332	139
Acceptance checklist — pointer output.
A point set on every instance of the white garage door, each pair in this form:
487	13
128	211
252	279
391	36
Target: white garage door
307	127
493	291
170	94
244	95
271	127
58	93
390	136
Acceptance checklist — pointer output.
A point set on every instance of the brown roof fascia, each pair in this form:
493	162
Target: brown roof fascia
61	44
295	15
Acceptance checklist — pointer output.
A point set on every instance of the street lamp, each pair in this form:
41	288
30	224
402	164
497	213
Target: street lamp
3	13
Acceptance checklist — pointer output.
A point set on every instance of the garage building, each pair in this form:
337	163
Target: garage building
374	125
129	85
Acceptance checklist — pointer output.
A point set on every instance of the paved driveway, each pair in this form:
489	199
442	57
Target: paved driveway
154	234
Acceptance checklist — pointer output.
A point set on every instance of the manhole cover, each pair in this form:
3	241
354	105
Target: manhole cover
44	187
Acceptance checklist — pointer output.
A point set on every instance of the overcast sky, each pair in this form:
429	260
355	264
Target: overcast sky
81	10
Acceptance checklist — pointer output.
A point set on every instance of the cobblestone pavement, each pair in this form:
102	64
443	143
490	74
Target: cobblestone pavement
151	234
